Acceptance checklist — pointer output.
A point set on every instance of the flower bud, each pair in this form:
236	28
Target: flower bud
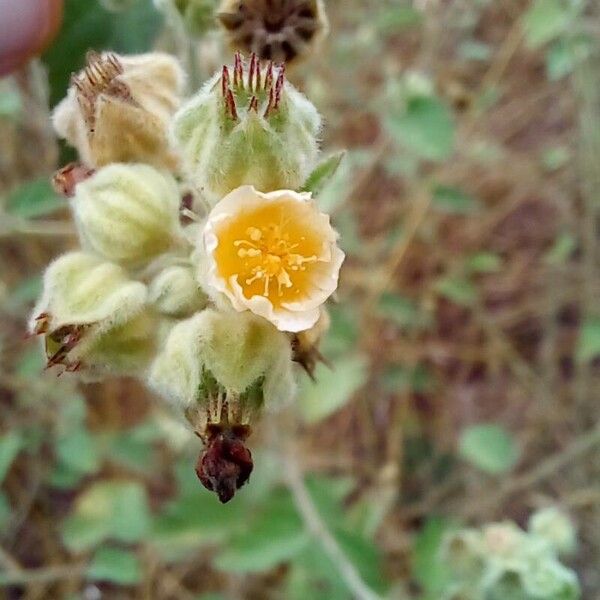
128	213
223	367
280	31
175	292
250	127
92	317
551	580
119	107
554	526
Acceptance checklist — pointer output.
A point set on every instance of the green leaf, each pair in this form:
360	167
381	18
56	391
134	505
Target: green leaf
562	249
425	127
195	517
427	568
489	447
10	102
87	25
398	309
565	54
34	199
77	451
322	174
276	536
588	345
314	576
108	509
399	379
545	20
10	446
453	201
457	289
5	511
23	295
333	387
115	565
474	50
343	333
392	19
555	158
484	262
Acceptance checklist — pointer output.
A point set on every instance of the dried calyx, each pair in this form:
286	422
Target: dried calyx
282	30
100	76
225	464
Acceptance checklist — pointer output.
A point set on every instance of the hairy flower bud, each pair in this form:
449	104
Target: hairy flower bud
93	317
175	292
223	367
128	213
118	109
554	526
280	30
220	369
248	126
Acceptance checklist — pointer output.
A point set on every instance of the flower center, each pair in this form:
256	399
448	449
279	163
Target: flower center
270	257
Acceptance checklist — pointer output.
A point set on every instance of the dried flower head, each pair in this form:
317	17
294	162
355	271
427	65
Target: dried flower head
248	126
274	254
279	30
118	108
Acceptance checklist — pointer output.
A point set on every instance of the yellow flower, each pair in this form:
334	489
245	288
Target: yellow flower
274	254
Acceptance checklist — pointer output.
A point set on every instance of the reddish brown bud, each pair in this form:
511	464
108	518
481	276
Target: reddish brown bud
225	464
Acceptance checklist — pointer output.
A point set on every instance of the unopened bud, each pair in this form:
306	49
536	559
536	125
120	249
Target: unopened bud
554	526
248	125
175	291
92	316
230	355
128	213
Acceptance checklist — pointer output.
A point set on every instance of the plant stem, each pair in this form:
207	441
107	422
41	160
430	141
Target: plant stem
319	530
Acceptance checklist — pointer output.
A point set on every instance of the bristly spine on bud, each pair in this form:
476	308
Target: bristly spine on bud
255	87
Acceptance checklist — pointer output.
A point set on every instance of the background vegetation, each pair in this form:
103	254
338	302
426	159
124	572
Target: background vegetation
465	345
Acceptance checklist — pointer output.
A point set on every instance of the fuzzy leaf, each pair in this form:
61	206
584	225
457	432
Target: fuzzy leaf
10	446
115	565
425	127
108	509
323	173
489	447
588	346
453	201
333	387
34	199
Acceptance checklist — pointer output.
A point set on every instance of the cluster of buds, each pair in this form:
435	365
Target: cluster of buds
501	560
211	311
